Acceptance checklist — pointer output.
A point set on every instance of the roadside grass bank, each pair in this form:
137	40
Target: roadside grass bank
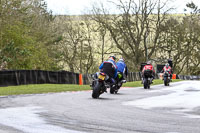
53	88
155	82
40	88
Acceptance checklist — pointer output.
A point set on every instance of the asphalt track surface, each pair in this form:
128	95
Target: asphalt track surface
77	112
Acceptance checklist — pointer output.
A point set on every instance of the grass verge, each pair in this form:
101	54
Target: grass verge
155	82
40	88
52	88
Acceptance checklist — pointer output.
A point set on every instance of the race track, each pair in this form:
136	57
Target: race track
173	109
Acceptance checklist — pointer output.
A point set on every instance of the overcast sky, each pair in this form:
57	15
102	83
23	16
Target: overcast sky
76	7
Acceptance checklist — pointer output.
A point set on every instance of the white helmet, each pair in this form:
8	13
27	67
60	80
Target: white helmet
121	59
148	62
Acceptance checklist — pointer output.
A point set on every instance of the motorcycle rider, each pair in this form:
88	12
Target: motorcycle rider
167	68
109	67
148	68
122	69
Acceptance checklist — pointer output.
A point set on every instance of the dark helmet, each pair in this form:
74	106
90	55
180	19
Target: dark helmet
148	62
112	57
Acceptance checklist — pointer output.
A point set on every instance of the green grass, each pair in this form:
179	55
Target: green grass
52	88
138	83
41	88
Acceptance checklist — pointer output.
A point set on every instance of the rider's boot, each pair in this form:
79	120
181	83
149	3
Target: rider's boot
142	81
124	81
151	80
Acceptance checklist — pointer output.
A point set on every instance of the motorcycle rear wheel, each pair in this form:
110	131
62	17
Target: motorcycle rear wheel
112	90
96	90
146	83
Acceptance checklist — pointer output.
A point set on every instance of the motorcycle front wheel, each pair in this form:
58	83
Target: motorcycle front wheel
112	90
165	81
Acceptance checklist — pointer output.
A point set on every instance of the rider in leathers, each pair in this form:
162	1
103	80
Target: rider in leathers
122	69
109	67
148	68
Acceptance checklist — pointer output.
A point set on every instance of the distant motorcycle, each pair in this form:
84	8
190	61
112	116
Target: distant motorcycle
119	82
147	79
99	84
166	78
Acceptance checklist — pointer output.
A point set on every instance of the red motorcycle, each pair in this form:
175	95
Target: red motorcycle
166	78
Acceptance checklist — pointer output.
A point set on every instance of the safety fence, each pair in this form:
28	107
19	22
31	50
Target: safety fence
132	76
188	77
24	77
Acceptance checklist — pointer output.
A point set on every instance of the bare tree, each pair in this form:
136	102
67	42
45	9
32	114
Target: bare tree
180	41
130	29
76	45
